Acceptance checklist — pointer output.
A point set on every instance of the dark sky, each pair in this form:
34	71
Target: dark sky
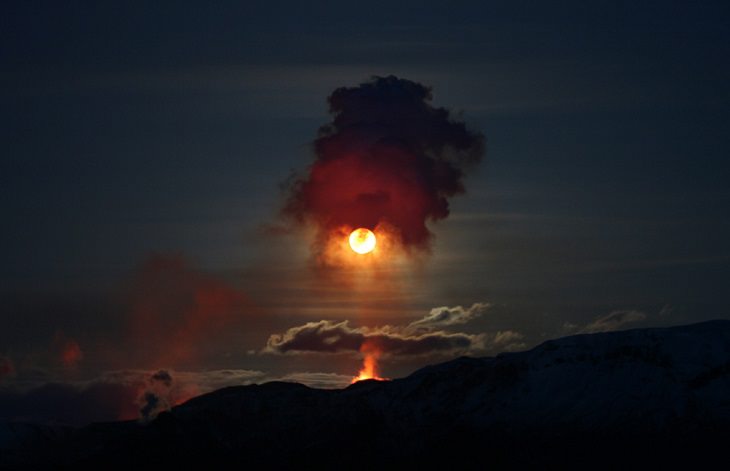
144	147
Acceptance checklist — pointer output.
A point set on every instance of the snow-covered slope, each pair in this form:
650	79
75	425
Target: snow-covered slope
648	378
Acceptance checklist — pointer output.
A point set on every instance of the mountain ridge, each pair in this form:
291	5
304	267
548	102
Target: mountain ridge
555	405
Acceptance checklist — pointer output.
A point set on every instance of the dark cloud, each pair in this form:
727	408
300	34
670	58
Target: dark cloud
163	377
157	397
150	406
335	337
387	157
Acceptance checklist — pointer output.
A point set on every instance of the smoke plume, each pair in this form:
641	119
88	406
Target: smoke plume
157	396
387	158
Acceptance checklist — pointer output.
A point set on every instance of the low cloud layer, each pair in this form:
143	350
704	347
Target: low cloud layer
318	380
131	394
615	320
336	337
425	336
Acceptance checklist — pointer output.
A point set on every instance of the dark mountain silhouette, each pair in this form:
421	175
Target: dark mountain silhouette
644	397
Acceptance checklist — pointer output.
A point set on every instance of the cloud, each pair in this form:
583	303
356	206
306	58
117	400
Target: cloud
163	377
387	158
421	337
337	337
615	320
113	395
177	311
318	380
666	310
508	341
204	381
446	316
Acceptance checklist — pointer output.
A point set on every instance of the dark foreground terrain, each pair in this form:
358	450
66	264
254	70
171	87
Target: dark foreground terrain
631	399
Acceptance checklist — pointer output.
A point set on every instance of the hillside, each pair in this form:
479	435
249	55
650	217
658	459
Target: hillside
598	400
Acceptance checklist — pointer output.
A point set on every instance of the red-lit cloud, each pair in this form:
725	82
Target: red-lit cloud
177	311
68	350
388	157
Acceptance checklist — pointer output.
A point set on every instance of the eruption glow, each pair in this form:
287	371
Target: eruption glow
362	240
369	368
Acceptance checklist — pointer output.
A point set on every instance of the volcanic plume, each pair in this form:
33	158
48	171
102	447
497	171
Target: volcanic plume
371	353
388	158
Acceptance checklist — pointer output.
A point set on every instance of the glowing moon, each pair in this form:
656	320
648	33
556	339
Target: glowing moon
362	240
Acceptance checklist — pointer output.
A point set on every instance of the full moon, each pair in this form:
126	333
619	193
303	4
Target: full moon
362	240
